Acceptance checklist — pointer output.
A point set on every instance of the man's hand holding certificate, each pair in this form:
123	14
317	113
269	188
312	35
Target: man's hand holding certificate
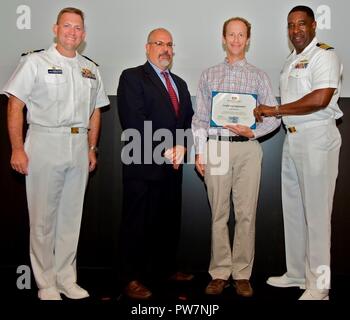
232	108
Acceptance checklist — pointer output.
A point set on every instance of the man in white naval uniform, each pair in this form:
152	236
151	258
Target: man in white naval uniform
310	87
63	92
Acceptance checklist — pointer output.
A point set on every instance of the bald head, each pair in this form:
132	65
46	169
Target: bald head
159	48
154	33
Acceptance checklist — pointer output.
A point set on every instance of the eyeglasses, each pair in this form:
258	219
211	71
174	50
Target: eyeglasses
170	45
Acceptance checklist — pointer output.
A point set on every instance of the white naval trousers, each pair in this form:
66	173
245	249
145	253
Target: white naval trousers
309	172
240	176
55	185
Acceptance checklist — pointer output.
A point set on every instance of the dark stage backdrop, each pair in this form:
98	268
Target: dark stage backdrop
98	247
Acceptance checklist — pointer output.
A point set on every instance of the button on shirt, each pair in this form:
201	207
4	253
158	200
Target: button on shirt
239	77
314	68
58	91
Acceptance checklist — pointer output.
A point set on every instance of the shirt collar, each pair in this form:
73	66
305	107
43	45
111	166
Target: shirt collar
308	48
239	63
157	70
55	52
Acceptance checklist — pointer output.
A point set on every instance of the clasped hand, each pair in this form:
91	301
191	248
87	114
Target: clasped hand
262	111
175	155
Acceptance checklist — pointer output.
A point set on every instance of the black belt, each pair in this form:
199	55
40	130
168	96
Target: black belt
229	138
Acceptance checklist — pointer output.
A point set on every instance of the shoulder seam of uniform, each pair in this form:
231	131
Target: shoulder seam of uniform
30	52
90	60
324	46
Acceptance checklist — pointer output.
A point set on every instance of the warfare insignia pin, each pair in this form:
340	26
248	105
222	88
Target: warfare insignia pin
302	64
86	73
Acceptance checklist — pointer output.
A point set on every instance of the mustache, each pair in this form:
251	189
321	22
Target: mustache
164	54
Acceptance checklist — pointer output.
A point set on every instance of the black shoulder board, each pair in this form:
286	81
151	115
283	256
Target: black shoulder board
29	52
90	60
324	46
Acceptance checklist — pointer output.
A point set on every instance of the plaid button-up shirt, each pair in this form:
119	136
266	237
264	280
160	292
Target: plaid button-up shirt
239	77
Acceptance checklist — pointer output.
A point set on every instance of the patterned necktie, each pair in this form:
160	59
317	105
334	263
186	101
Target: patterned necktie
172	93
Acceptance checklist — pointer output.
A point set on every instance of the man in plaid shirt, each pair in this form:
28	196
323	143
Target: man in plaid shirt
235	145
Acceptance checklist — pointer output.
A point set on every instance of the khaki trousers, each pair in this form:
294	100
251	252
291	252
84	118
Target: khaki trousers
239	175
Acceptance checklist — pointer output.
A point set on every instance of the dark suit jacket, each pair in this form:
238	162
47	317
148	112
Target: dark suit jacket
143	97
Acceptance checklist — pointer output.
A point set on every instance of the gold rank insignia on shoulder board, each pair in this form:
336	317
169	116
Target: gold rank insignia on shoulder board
29	52
324	46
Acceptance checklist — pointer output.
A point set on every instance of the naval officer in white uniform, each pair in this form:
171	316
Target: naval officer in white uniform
62	92
310	87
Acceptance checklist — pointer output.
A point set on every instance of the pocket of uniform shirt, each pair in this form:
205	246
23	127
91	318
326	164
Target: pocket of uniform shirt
299	73
91	85
56	86
55	78
299	81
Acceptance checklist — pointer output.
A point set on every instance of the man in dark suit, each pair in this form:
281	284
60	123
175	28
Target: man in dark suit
152	101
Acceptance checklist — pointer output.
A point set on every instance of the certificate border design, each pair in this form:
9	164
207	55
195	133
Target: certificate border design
214	93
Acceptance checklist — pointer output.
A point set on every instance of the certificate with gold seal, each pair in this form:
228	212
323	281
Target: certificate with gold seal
233	108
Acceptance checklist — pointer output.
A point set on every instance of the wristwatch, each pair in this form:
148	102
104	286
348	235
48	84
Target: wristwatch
277	110
93	148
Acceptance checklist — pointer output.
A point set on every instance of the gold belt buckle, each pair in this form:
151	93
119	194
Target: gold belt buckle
292	129
74	130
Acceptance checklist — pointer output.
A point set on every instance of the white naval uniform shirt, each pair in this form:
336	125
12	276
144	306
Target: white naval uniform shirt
58	91
314	68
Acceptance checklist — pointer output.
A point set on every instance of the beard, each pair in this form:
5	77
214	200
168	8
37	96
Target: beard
165	59
164	63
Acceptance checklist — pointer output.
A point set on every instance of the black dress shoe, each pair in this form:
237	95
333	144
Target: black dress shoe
137	290
180	276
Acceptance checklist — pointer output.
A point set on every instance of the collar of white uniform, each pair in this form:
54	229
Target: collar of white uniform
307	49
55	52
